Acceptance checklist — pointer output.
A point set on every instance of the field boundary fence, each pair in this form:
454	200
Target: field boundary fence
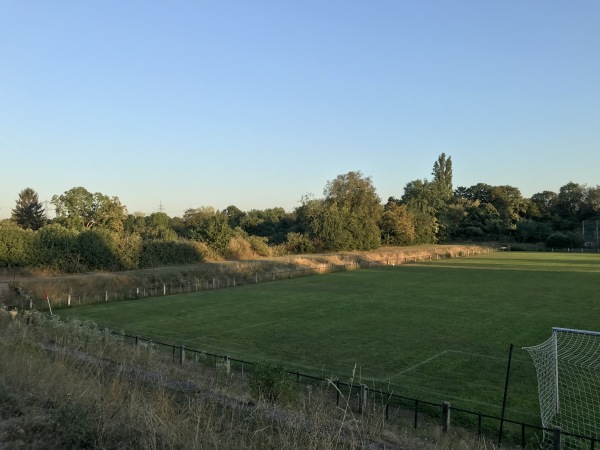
74	298
367	399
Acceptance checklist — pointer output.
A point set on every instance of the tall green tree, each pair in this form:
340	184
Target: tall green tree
29	213
205	224
158	226
542	205
570	201
272	223
423	201
78	209
442	177
397	224
235	215
324	225
346	219
591	208
355	199
510	204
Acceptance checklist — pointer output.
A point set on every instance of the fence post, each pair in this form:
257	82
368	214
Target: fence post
227	363
164	289
510	351
105	296
556	438
416	412
69	300
362	398
445	417
182	355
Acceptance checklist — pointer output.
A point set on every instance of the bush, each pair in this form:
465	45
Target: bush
160	253
16	245
238	249
564	240
260	245
272	383
299	243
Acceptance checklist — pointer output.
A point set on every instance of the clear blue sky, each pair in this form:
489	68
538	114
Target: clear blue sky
256	103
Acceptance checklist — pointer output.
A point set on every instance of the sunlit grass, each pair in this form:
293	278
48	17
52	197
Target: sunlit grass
439	330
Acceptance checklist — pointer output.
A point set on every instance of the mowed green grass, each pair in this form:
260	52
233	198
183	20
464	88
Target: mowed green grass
438	330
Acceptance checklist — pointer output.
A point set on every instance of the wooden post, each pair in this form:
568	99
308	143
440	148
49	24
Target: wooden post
164	289
446	417
69	300
105	296
227	363
182	355
362	398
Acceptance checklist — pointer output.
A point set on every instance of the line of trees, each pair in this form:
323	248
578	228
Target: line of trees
92	231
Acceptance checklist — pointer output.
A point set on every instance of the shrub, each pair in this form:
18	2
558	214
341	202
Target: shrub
260	245
160	253
564	240
239	248
16	245
271	382
299	243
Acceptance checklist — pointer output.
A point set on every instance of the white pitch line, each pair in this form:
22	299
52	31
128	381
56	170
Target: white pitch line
421	363
478	355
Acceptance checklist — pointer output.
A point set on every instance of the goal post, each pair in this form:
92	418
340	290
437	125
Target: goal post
568	374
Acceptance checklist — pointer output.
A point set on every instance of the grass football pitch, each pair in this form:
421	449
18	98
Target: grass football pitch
438	331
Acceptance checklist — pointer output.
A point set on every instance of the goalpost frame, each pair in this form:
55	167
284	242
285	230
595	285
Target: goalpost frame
555	331
569	361
574	331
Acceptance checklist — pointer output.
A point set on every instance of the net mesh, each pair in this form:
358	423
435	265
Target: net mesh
568	372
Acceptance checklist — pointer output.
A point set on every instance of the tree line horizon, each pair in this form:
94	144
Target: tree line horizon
92	231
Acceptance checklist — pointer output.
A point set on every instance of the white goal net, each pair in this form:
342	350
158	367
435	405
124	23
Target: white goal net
568	372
